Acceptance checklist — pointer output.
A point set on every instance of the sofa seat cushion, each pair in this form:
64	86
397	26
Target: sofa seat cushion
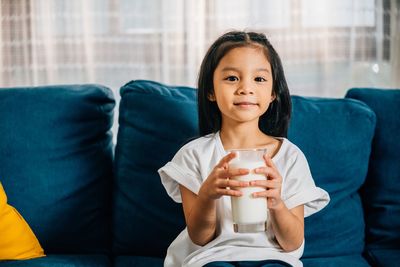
335	136
61	261
56	163
347	260
381	191
137	261
384	257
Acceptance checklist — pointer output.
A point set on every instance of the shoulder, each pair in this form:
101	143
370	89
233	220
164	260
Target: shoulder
290	151
199	142
187	167
197	147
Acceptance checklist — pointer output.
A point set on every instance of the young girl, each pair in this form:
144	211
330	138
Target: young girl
243	102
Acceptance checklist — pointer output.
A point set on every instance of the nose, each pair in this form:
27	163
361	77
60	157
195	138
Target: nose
245	88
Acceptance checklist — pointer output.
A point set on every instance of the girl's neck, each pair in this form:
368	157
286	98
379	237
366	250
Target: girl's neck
243	136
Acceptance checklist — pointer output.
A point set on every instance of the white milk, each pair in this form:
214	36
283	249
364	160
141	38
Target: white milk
249	213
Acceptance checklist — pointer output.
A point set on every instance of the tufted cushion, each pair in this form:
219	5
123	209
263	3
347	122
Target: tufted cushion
56	163
381	192
154	122
335	135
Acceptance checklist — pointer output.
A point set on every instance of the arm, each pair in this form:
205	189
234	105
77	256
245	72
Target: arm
288	224
200	210
200	216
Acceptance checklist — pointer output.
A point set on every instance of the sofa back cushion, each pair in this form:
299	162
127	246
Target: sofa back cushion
335	136
154	122
56	163
381	192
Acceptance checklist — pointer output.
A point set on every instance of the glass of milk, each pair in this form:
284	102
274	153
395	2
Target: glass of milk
249	213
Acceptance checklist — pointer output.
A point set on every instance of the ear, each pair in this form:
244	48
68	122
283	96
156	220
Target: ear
211	97
273	97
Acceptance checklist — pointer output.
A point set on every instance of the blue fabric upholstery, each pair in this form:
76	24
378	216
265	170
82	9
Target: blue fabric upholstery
336	261
154	122
56	163
137	261
62	261
56	159
384	257
381	192
335	135
266	263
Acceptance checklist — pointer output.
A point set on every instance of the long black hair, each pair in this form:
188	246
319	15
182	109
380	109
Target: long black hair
275	121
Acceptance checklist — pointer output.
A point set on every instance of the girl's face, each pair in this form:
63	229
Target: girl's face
243	85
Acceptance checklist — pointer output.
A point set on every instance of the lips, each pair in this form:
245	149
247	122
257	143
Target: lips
245	103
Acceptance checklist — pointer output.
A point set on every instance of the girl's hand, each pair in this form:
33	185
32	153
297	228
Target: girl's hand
218	183
272	185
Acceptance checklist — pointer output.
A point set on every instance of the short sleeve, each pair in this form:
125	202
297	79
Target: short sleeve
182	169
299	187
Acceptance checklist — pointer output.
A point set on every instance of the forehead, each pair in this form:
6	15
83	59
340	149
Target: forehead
246	56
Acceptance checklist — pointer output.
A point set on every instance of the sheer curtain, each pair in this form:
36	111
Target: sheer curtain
326	46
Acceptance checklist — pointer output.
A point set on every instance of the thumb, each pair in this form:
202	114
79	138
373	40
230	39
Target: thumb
269	161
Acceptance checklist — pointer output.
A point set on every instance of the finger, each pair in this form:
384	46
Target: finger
271	193
269	161
260	194
269	172
233	172
274	175
265	183
229	192
232	183
262	170
225	160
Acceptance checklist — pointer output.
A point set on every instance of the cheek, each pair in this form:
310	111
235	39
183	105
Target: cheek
221	103
265	108
267	102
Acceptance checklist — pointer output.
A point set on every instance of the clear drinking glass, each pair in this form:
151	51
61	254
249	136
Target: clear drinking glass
249	213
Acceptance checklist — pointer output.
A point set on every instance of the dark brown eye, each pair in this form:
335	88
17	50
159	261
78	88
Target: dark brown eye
231	78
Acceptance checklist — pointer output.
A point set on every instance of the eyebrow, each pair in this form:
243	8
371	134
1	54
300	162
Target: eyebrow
235	69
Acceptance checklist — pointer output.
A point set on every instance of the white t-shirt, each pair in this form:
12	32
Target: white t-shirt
191	166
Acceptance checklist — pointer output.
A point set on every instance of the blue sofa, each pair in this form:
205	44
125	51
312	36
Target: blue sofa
93	203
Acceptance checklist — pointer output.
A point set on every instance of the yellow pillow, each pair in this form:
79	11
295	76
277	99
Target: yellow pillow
17	241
